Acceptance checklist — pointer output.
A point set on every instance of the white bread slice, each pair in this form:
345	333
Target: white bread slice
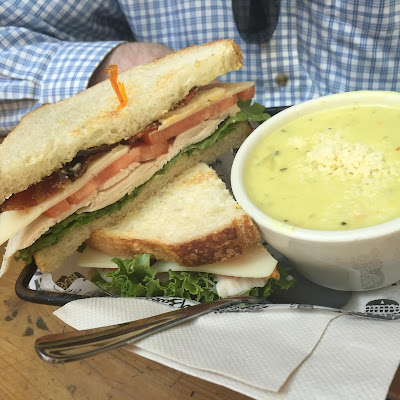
49	258
51	135
191	221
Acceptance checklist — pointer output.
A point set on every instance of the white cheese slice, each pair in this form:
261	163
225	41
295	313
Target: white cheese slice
12	222
202	100
255	262
206	96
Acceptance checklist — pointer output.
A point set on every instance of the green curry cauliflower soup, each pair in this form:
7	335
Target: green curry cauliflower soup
331	170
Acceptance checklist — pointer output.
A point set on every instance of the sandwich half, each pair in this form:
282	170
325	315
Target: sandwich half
189	240
81	164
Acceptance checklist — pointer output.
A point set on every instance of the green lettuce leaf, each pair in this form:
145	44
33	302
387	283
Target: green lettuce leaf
283	283
249	112
135	278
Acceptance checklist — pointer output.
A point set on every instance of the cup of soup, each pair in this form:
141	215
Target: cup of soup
322	181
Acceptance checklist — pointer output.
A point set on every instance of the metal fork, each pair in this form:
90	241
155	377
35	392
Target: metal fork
72	346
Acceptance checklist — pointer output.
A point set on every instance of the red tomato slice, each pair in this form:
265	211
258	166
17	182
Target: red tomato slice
107	173
147	152
83	192
246	94
189	122
140	152
57	210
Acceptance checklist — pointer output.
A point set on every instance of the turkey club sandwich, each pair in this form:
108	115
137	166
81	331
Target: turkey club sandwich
76	166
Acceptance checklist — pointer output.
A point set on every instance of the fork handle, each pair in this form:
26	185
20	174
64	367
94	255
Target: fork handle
72	346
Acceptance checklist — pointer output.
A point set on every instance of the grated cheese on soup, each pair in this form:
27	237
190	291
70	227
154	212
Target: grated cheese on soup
331	170
334	155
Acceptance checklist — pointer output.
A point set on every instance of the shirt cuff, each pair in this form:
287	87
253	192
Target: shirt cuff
70	68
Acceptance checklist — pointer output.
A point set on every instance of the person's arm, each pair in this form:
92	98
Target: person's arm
128	55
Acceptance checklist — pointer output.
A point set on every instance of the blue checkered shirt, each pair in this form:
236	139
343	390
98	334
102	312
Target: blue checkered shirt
50	48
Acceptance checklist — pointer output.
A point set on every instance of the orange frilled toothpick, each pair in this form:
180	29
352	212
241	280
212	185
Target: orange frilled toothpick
118	87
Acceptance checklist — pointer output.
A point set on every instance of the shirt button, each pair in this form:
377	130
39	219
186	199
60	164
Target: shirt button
281	79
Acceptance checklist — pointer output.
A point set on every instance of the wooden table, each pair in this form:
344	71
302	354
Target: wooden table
118	374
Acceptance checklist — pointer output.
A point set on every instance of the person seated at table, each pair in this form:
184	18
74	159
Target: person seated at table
294	50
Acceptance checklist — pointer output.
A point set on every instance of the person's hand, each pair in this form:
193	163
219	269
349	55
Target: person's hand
128	55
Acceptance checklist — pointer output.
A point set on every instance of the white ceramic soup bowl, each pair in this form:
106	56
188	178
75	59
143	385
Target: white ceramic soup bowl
354	260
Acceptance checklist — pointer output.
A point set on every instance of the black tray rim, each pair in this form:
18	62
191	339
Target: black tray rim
23	291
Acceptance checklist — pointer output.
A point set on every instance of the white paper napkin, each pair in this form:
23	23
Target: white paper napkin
338	368
264	354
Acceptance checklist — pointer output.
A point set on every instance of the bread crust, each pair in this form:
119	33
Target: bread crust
227	42
49	259
52	134
223	244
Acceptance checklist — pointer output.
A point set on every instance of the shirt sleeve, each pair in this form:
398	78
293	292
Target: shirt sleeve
36	69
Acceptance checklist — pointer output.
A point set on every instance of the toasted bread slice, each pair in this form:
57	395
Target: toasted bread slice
192	221
49	258
51	135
